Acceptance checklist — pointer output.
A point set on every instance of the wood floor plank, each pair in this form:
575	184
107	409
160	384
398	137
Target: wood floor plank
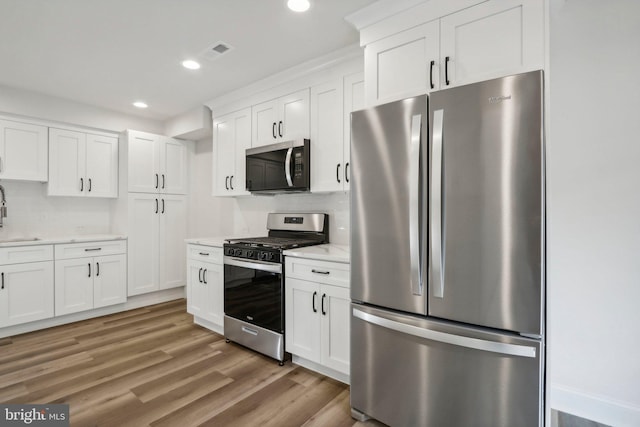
153	367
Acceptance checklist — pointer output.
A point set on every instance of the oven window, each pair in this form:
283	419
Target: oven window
254	296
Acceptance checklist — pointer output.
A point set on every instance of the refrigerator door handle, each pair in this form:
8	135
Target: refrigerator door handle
458	340
436	205
414	203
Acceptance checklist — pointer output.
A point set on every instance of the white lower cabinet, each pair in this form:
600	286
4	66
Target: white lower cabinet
26	291
317	315
158	227
88	276
205	286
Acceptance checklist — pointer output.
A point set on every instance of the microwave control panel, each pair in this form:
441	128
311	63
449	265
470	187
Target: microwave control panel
298	162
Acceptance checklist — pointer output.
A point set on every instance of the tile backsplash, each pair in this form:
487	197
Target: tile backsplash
31	213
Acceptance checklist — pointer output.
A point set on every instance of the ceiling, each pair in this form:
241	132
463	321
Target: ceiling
111	53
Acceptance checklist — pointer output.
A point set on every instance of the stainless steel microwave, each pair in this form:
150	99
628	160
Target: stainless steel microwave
278	168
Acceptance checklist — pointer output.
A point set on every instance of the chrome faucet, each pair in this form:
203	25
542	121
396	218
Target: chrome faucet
3	208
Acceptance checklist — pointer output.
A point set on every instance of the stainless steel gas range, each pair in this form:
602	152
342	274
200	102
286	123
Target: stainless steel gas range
254	280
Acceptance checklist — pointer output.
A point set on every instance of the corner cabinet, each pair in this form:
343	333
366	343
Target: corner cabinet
491	39
231	137
157	229
317	315
23	151
282	119
82	164
90	275
26	284
331	107
205	286
156	164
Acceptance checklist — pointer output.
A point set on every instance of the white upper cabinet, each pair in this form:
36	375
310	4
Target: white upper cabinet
331	107
157	164
491	39
82	164
400	66
23	151
353	101
282	119
231	137
327	167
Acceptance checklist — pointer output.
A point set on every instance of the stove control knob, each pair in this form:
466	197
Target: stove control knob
238	252
230	251
249	254
263	255
272	256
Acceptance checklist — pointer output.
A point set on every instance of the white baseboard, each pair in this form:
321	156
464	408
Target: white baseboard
218	329
132	303
332	373
593	407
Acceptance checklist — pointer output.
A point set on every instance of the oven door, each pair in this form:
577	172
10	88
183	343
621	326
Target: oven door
253	292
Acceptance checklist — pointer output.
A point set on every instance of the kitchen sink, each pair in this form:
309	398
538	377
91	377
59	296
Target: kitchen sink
20	239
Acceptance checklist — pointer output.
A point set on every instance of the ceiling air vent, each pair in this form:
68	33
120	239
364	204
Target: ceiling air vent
216	50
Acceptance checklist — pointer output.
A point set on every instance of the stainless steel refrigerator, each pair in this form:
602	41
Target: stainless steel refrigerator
447	257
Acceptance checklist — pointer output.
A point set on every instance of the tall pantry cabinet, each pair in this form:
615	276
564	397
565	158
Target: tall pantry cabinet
152	210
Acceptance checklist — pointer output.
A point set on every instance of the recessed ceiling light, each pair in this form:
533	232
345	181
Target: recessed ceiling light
191	64
140	104
298	5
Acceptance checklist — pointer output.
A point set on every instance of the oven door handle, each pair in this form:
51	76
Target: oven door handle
254	265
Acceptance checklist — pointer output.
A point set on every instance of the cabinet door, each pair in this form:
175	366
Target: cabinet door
195	290
74	285
67	153
173	170
224	148
399	66
143	246
264	120
293	122
327	167
23	151
242	140
302	317
144	162
102	166
110	280
334	337
27	293
353	101
213	284
492	39
173	231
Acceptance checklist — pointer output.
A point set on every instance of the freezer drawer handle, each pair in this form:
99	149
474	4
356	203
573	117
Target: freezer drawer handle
435	205
475	343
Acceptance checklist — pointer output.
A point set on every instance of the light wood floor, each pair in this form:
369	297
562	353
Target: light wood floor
153	366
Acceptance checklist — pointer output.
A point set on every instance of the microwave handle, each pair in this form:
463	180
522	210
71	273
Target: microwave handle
287	167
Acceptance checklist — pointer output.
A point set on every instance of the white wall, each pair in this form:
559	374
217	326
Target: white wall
35	105
241	216
593	182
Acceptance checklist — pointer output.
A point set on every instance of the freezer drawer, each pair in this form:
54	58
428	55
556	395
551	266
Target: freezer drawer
411	371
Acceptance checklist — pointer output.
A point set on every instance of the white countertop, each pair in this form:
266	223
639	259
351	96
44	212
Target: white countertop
215	242
10	242
328	252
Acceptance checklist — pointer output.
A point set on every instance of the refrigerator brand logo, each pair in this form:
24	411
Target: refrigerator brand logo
496	99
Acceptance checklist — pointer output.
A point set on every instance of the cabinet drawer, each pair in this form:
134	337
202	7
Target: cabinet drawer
90	249
204	253
331	273
20	254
